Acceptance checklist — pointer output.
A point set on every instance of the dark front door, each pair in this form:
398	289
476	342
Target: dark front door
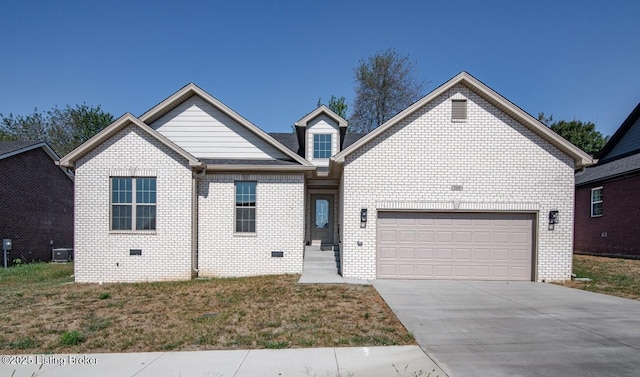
322	219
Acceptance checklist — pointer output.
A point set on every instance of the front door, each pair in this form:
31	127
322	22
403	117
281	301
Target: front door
322	219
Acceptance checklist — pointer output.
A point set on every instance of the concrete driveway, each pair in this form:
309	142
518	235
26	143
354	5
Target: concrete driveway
518	328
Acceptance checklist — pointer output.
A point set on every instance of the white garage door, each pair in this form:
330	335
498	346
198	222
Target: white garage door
468	246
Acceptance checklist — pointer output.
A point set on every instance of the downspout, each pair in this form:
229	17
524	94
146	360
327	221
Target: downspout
194	220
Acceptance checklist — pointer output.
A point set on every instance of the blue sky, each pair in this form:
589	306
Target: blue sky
271	60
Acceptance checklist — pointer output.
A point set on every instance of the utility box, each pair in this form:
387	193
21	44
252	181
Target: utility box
62	255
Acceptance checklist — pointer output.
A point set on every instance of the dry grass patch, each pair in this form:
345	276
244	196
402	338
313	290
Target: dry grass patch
613	276
41	311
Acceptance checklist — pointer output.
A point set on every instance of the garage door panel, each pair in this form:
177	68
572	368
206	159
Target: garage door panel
481	254
481	271
387	253
461	255
406	221
520	271
407	236
501	272
520	255
406	270
425	236
424	270
421	221
444	236
443	271
425	253
481	236
462	270
463	236
501	237
387	270
483	246
387	235
521	237
406	253
500	255
442	254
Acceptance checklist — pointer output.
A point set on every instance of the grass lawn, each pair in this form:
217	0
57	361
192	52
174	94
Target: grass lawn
612	276
43	311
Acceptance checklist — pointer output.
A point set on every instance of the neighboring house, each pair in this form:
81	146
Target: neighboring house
36	201
607	213
457	186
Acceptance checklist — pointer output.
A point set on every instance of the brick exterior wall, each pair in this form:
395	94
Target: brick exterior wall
502	166
102	255
279	226
36	203
619	220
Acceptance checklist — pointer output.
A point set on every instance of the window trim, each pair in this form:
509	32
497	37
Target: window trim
330	136
463	110
593	202
236	207
133	204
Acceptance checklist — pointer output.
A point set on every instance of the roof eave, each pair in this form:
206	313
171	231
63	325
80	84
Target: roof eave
249	167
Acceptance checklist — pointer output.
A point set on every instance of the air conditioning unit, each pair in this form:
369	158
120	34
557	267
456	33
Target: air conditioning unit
62	255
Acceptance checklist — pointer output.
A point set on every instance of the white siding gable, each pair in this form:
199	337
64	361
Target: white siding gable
322	124
207	133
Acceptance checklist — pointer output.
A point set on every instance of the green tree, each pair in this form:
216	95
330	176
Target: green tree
63	129
30	127
337	105
581	134
385	84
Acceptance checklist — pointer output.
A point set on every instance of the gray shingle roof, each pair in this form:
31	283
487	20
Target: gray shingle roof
289	140
350	138
7	147
612	169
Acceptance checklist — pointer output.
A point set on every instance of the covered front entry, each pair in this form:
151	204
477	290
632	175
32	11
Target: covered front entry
465	246
322	210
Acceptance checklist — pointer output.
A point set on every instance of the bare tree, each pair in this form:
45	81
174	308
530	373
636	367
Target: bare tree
385	84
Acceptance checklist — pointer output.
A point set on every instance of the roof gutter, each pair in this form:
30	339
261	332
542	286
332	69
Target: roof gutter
225	167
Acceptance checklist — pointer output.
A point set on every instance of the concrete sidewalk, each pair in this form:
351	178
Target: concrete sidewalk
397	361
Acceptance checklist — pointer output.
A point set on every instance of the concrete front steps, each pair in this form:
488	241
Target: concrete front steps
322	265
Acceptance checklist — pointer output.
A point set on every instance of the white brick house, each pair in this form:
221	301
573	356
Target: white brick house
460	185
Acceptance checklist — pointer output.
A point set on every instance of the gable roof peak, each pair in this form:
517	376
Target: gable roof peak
322	109
580	158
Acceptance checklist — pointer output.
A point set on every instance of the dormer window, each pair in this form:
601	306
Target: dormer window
322	146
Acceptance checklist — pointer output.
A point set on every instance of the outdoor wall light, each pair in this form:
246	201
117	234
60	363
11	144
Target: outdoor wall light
363	218
554	218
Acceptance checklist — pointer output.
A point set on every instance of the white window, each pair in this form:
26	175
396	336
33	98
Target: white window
459	109
245	207
133	203
596	202
322	146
